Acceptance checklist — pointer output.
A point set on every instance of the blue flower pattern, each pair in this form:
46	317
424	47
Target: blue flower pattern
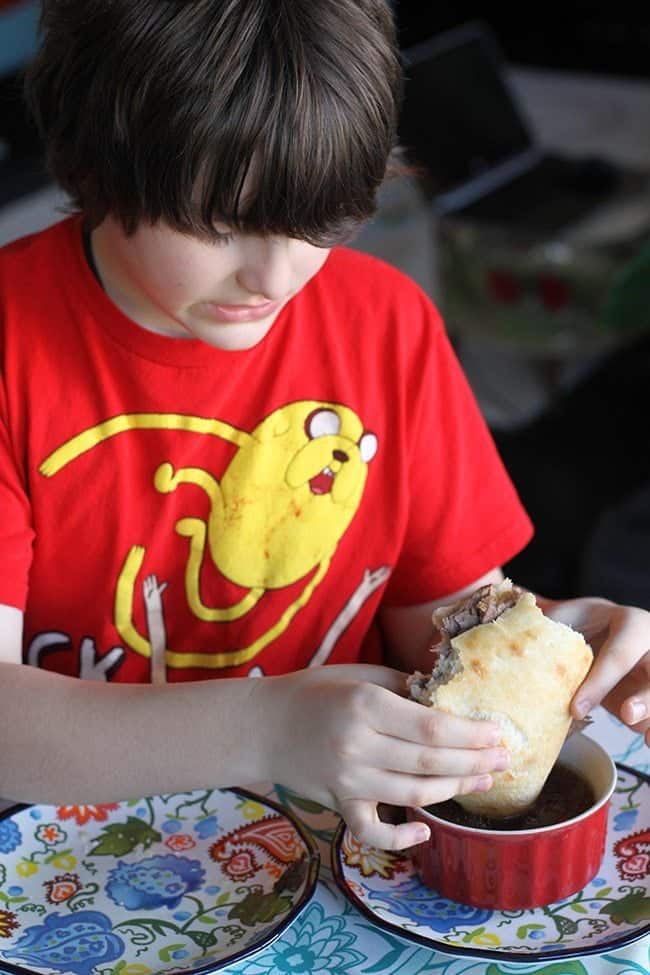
10	836
171	826
207	827
329	937
625	820
313	945
69	943
412	900
160	881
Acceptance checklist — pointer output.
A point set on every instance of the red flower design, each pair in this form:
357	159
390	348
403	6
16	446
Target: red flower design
62	888
83	814
634	856
50	833
180	841
241	866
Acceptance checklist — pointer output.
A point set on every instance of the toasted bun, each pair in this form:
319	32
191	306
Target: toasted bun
521	671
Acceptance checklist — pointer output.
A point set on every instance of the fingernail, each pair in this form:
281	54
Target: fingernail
583	707
484	783
495	736
422	834
638	710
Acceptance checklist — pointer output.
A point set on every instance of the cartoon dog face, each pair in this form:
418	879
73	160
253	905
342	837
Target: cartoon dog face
290	492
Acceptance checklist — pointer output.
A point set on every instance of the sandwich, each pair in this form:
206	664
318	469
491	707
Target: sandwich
501	659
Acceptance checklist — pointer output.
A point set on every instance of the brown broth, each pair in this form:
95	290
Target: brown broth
565	795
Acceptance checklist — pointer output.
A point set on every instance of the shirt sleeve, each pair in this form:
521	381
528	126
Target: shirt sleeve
16	530
465	517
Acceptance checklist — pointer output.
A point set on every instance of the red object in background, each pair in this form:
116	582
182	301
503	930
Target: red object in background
554	292
4	4
516	870
503	286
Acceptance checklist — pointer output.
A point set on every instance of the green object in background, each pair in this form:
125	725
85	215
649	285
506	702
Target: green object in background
627	306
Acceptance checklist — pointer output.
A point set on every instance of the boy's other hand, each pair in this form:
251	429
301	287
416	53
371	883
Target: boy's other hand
620	676
346	737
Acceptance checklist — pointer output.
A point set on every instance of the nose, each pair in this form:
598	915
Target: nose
267	268
340	455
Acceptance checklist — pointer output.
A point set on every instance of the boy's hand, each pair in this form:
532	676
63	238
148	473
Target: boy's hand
620	676
344	736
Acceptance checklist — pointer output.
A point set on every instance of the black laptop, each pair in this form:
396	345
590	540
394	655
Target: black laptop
462	126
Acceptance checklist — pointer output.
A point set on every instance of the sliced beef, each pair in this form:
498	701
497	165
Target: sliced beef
484	605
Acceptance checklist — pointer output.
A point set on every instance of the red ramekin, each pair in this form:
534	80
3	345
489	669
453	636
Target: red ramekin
515	869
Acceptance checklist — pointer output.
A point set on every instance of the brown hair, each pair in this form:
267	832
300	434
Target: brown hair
158	109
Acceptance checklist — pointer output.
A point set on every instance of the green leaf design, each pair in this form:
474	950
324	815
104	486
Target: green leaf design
257	907
631	909
151	926
580	908
165	954
56	854
293	877
307	805
122	838
222	899
522	932
564	924
204	939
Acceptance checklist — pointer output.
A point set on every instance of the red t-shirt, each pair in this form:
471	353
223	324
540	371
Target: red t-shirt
222	511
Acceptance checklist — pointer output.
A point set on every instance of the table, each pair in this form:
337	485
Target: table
331	937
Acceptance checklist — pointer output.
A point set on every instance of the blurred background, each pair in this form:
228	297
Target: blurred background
527	220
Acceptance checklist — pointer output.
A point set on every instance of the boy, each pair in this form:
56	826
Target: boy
229	448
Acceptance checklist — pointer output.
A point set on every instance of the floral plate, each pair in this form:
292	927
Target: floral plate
177	883
611	911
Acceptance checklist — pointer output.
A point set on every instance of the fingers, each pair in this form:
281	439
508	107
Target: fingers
635	710
400	718
590	615
376	697
625	649
363	821
397	789
403	756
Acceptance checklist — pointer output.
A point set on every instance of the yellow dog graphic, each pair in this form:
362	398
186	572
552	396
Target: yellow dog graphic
283	503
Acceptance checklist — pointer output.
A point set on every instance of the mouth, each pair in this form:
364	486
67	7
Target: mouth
322	483
242	313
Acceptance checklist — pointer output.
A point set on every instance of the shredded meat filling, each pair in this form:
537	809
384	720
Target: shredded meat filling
484	605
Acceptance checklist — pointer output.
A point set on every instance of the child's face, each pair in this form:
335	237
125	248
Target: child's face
226	294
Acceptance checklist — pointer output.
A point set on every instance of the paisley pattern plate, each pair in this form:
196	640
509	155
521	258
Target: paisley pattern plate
612	911
180	883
